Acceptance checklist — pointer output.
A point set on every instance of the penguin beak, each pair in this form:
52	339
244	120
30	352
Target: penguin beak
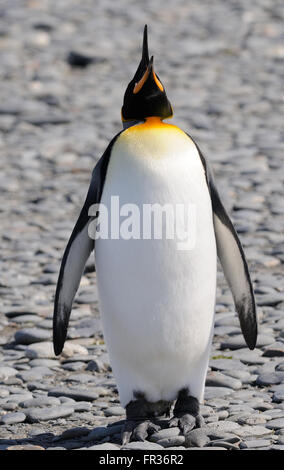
149	72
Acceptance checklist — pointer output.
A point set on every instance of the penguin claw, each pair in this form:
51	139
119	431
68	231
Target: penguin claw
186	422
138	430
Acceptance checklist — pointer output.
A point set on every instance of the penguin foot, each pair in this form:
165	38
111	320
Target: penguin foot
186	422
186	413
141	416
138	430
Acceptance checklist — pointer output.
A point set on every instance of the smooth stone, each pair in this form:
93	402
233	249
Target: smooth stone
242	375
226	445
4	392
86	328
78	358
252	419
37	385
164	434
100	364
76	394
226	364
45	350
72	433
216	392
143	445
277	388
40	402
225	426
114	411
6	372
249	357
275	424
274	350
81	378
44	363
31	335
9	406
270	299
242	408
196	438
278	397
36	415
217	379
274	413
25	319
40	350
100	432
254	443
82	406
238	341
25	447
13	418
74	366
104	446
19	397
172	441
268	379
252	431
36	373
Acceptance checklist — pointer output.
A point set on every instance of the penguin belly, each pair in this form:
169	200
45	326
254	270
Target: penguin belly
156	300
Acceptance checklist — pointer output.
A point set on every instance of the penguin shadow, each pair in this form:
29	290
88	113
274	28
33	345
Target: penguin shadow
74	437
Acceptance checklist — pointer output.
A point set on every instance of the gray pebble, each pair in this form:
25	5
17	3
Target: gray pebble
6	372
254	443
73	432
82	406
268	379
100	433
75	393
236	342
104	446
13	418
197	438
171	441
217	379
36	415
226	364
145	445
275	424
216	392
114	411
40	402
31	335
164	434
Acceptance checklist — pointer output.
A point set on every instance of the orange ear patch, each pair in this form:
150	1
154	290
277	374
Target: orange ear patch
158	83
141	82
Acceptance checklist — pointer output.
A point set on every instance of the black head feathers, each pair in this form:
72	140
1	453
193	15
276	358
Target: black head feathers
145	95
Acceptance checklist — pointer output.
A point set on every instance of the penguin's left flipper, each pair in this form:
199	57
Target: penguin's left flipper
233	261
77	252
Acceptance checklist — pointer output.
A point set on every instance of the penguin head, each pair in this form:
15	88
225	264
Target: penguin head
145	95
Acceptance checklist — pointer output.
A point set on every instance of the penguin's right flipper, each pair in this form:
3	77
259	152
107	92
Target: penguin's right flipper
233	261
76	254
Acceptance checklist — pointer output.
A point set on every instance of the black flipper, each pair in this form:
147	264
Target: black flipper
233	261
76	254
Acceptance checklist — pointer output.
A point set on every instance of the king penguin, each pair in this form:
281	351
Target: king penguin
156	301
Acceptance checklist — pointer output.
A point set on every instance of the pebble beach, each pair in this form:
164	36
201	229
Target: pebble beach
64	68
